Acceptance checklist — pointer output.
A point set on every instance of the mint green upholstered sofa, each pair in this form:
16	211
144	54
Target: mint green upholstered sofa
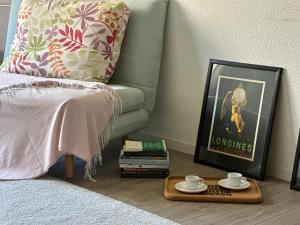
137	74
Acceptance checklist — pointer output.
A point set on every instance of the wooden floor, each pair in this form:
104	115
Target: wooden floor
281	205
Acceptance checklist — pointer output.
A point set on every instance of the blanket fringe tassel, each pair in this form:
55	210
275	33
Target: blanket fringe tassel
90	169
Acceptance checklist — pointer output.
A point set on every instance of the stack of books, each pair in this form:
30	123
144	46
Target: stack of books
148	159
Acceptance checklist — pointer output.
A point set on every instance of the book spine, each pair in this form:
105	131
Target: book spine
143	161
144	157
158	166
146	153
144	170
145	174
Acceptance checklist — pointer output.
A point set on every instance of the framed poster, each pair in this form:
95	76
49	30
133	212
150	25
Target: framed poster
295	182
237	116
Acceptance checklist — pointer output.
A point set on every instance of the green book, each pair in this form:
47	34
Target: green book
145	148
154	145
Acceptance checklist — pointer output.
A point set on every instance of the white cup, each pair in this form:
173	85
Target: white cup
235	179
192	182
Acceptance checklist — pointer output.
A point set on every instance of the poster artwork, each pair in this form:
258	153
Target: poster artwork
236	117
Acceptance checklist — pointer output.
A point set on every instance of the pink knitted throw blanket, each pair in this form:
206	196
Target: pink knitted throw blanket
42	119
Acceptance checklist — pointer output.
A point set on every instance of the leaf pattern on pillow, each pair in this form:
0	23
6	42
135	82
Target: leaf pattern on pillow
84	14
40	62
75	39
56	63
21	36
19	63
35	44
71	40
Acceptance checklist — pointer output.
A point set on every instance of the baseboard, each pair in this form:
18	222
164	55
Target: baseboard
279	172
189	148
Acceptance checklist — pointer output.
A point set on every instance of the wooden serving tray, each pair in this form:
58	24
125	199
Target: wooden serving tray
214	193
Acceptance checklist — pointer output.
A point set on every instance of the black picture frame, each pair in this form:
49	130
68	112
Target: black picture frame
295	181
262	82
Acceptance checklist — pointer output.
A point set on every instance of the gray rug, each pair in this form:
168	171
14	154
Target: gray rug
49	201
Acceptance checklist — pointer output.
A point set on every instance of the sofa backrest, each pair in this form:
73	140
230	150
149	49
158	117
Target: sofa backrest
139	63
140	58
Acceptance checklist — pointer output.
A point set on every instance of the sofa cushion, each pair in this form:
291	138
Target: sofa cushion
76	39
132	98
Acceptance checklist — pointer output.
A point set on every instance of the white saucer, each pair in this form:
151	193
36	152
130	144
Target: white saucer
224	183
181	187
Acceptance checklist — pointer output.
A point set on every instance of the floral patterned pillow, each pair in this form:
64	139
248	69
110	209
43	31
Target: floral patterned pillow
75	39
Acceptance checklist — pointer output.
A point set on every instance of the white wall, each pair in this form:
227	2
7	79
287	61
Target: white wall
257	31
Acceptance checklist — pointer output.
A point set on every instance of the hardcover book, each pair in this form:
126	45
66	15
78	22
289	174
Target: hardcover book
145	148
124	175
145	174
143	157
142	161
149	166
144	170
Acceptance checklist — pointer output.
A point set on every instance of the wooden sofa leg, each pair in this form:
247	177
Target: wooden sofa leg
69	163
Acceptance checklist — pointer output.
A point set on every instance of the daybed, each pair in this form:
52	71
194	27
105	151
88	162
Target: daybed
137	74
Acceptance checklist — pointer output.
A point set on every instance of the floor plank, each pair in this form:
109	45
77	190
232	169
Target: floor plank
281	205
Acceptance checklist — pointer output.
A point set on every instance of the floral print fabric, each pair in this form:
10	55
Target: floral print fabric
75	39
